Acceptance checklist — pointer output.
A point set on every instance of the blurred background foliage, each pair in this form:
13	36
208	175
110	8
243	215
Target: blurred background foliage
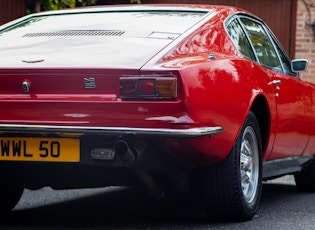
43	5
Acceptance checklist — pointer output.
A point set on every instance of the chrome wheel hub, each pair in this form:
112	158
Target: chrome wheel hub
249	164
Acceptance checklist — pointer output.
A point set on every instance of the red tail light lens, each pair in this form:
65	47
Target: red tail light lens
134	87
147	87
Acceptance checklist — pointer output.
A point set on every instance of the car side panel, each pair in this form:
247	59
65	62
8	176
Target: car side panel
221	92
294	117
310	125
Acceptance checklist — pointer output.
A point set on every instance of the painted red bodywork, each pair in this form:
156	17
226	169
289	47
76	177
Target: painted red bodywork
217	92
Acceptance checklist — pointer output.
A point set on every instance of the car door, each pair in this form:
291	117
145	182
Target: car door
293	97
294	110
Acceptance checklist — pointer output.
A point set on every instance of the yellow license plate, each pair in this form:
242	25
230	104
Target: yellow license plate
40	149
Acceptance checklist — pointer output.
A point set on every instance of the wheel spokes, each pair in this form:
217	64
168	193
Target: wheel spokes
248	164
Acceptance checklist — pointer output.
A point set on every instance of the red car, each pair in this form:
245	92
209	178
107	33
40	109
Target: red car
167	98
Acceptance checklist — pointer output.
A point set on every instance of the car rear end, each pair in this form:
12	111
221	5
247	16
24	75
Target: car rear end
77	111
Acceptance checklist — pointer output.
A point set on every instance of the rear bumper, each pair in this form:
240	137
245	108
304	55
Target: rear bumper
112	131
143	161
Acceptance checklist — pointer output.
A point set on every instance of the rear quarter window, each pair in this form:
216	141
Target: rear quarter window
240	40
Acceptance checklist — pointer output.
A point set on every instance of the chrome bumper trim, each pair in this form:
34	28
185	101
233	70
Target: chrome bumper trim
114	131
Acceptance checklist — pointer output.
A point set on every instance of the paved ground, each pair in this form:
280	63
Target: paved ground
282	207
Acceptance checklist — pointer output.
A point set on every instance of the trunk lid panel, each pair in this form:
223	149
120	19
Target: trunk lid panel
65	97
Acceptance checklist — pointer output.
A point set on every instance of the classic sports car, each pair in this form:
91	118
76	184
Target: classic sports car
171	99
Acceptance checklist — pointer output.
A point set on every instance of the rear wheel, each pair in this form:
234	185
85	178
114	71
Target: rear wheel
231	189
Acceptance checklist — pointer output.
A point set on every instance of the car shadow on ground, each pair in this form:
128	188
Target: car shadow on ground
127	208
118	208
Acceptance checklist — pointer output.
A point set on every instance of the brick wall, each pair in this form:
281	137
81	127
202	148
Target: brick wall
305	40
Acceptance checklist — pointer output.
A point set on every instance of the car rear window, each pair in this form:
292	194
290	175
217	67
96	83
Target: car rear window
113	23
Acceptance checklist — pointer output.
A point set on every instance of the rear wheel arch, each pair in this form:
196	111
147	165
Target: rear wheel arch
261	111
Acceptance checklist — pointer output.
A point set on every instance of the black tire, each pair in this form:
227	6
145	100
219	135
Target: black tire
305	180
227	193
10	195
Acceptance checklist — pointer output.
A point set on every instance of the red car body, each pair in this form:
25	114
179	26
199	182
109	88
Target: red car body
84	104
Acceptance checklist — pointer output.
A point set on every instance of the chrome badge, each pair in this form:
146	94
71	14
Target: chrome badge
89	83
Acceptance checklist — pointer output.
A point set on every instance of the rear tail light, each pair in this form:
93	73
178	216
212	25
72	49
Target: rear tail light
147	87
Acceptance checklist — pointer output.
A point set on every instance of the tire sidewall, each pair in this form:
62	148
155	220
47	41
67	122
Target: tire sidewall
249	208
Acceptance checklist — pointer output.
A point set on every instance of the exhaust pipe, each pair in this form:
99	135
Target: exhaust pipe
127	154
